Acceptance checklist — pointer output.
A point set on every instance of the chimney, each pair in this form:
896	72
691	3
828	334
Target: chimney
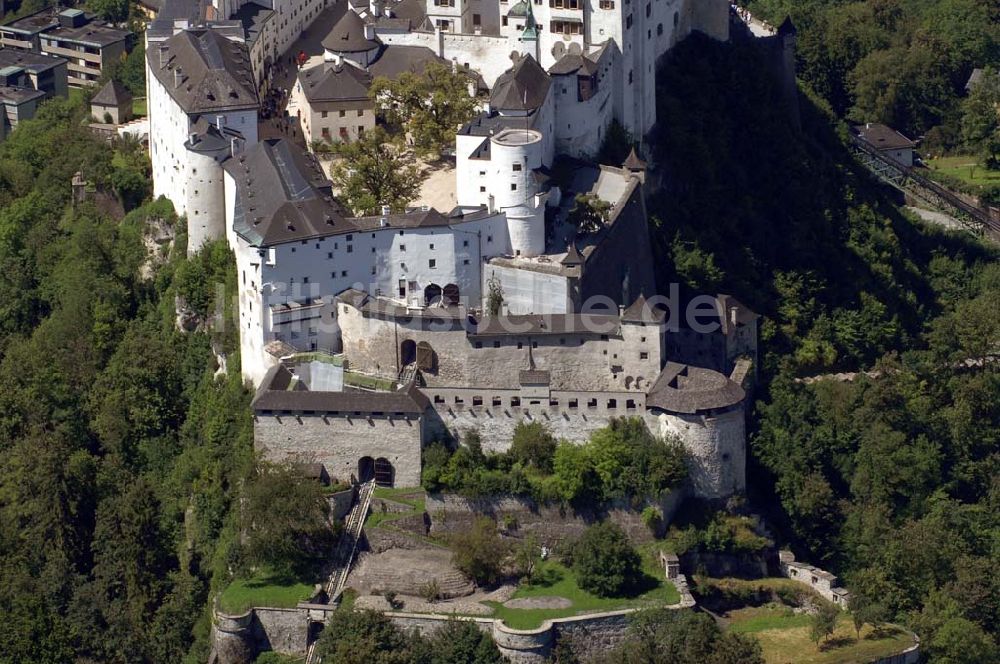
491	204
234	146
194	138
178	78
425	208
375	8
732	316
454	65
369	31
220	122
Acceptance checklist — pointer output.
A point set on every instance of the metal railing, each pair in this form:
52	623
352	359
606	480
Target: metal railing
906	179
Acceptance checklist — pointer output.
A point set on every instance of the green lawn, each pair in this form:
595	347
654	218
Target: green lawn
966	169
785	638
562	583
314	356
139	107
263	589
368	382
414	497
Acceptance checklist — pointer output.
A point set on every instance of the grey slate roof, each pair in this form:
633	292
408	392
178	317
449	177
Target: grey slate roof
685	389
882	137
32	62
571	63
522	87
641	311
282	195
394	60
13	96
348	35
214	72
274	395
112	94
330	82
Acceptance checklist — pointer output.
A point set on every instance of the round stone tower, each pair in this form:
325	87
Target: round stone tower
515	154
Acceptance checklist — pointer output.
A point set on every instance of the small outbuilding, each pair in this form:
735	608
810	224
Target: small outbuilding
112	102
888	141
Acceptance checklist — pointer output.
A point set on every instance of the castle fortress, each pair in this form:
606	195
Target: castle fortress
369	337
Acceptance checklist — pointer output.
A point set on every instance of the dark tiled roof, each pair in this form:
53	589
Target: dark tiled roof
348	36
112	94
641	311
534	377
883	137
213	73
209	139
573	256
330	82
274	395
282	195
537	325
572	63
13	96
32	62
395	60
522	87
94	33
633	163
253	16
685	389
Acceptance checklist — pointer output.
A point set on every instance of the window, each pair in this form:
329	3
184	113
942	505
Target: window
513	186
432	246
534	344
607	4
465	243
402	247
479	344
482	189
628	22
350	248
489	238
496	344
643	355
565	4
329	254
432	263
361	112
373	269
343	273
612	403
465	262
659	29
477	20
323	114
305	280
566	27
520	345
503	19
444	3
343	114
677	18
648	8
361	130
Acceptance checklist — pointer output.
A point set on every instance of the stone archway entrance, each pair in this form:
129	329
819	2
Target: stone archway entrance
432	294
385	474
366	469
407	352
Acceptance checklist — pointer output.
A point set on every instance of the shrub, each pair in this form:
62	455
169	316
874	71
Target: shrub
533	445
652	518
430	591
480	552
604	561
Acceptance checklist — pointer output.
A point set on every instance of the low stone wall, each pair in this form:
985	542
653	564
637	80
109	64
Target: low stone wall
909	656
821	581
238	639
450	513
340	503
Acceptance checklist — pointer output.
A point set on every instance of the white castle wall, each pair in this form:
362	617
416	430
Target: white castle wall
529	291
487	54
206	202
168	130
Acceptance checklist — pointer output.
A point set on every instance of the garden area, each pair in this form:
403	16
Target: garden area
794	624
264	588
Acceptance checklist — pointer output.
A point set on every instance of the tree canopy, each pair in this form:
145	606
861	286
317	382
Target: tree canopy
372	172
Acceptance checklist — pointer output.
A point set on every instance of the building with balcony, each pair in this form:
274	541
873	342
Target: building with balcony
88	45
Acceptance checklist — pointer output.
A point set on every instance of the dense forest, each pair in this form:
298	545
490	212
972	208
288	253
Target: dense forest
902	62
890	480
120	446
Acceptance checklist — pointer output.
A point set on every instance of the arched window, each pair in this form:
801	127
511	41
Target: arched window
451	295
408	352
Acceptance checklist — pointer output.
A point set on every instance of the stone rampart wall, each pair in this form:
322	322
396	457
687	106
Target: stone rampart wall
338	442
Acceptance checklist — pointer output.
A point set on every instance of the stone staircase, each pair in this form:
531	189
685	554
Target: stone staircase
346	549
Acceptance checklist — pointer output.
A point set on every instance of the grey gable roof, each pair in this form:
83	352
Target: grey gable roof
204	71
330	82
571	63
282	195
523	87
348	35
112	94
